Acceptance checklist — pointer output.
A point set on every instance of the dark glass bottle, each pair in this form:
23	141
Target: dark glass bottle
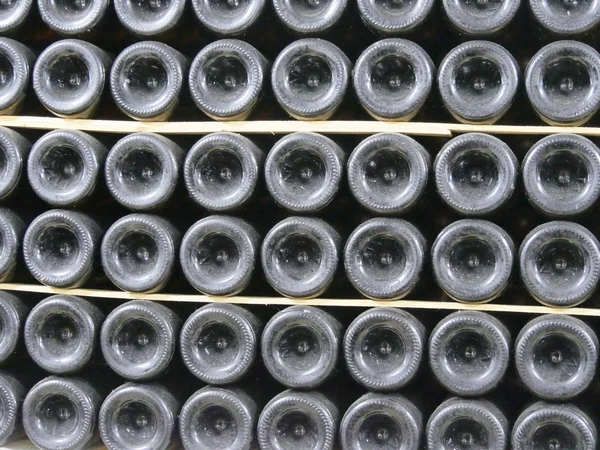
300	346
310	16
469	352
60	248
16	65
72	18
14	150
14	14
12	394
139	416
64	167
148	18
147	79
394	17
563	84
384	348
139	252
218	255
477	19
310	78
228	17
62	332
303	171
393	78
388	172
476	174
554	426
14	313
138	339
560	263
219	343
60	413
478	81
142	171
300	420
12	230
218	418
566	19
69	78
300	256
461	423
226	79
561	175
221	171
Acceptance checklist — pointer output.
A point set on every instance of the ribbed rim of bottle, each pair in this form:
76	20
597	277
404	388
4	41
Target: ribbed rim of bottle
312	404
246	152
215	104
571	328
480	24
87	98
492	330
241	234
16	54
228	23
80	399
65	306
16	16
505	161
566	24
148	25
11	327
490	234
10	238
230	316
329	242
400	200
157	229
329	153
165	150
408	329
554	205
143	109
386	21
230	401
326	105
563	113
290	14
11	406
76	223
155	397
576	234
72	24
565	415
11	144
86	148
153	314
388	105
481	411
398	284
468	110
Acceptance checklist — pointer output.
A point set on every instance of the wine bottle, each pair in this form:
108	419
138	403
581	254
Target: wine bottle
384	349
69	78
231	17
303	171
138	252
12	394
12	229
563	84
393	78
300	346
138	416
14	313
301	420
219	343
560	263
61	333
218	418
150	18
473	260
16	65
218	255
79	17
478	81
476	174
309	17
481	19
147	79
394	17
14	15
221	171
388	172
300	256
64	167
60	248
561	175
469	352
142	171
310	77
226	79
566	19
14	150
